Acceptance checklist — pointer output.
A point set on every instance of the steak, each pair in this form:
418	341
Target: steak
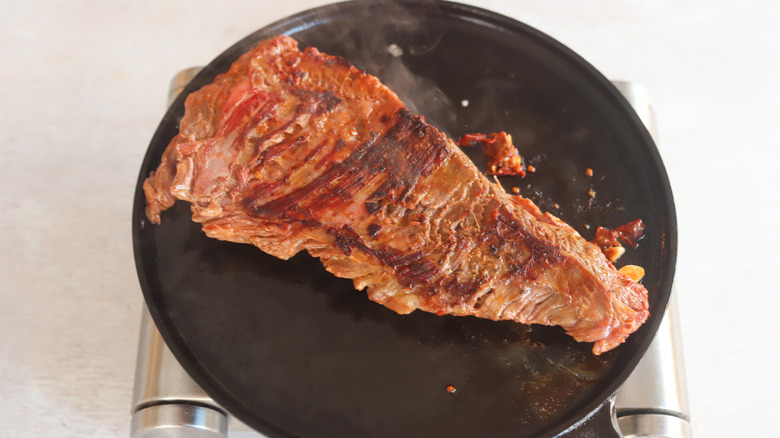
295	150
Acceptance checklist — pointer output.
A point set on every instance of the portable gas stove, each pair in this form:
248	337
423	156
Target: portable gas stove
292	350
651	403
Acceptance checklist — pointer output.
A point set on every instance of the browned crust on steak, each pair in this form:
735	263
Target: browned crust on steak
292	151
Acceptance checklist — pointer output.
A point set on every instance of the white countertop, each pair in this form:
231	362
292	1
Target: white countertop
83	86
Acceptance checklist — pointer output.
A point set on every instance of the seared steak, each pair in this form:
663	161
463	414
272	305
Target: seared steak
292	151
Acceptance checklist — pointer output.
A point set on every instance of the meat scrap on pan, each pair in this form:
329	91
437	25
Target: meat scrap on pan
297	150
501	156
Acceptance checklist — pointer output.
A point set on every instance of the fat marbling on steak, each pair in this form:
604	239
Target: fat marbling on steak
297	150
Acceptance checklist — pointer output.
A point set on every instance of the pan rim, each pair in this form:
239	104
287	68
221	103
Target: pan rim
303	20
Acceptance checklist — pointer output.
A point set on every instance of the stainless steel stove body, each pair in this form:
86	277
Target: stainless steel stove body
653	402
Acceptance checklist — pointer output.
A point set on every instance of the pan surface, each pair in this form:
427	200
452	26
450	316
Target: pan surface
296	352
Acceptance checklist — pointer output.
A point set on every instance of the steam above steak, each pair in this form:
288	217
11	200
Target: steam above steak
292	151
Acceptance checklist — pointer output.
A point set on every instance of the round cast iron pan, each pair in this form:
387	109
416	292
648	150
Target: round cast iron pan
296	352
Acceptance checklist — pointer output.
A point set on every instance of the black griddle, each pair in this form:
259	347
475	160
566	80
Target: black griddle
295	352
